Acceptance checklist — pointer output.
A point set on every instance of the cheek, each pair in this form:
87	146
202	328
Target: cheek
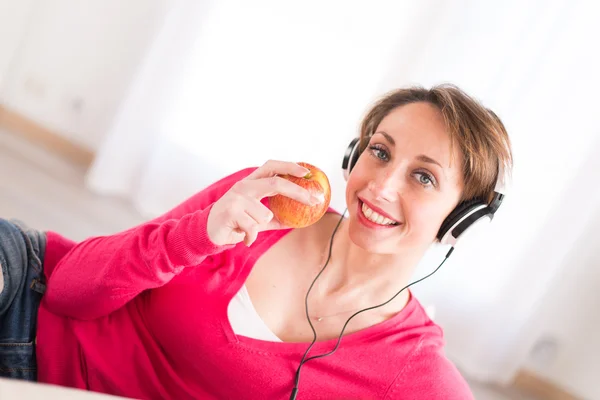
425	218
357	181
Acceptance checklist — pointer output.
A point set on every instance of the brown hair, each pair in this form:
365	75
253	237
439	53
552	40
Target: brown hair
480	134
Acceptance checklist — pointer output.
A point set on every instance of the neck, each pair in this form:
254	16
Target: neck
353	271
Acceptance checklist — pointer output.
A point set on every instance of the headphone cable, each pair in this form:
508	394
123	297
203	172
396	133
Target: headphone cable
304	360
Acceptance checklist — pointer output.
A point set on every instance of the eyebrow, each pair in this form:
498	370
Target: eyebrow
387	136
424	158
421	157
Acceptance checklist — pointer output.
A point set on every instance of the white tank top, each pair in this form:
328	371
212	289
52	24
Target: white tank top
244	319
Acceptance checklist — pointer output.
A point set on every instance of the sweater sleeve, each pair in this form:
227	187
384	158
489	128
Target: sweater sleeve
102	274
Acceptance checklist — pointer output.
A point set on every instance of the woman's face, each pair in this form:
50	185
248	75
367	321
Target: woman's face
405	182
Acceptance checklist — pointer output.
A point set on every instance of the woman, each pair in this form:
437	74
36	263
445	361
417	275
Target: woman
210	299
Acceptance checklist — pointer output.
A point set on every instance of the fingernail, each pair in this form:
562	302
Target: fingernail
317	198
306	170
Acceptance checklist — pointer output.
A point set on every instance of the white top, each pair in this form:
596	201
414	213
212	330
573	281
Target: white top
244	319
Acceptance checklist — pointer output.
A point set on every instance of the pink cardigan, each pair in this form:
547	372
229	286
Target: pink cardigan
143	314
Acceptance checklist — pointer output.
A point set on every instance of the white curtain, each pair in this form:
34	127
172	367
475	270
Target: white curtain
231	84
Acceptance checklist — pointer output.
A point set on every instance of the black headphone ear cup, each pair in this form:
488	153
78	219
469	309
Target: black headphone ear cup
458	213
355	157
351	157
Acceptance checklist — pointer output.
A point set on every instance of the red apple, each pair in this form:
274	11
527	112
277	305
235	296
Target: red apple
295	214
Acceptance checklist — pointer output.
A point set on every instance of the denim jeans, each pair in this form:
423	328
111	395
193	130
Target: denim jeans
21	259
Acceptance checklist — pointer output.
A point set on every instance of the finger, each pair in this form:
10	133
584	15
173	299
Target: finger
275	167
238	235
249	226
262	215
258	211
274	224
274	185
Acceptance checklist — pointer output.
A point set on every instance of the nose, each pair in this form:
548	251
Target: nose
386	186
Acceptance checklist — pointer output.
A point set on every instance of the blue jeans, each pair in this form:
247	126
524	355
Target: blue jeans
21	259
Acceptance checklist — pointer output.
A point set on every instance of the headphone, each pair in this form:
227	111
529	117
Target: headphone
464	216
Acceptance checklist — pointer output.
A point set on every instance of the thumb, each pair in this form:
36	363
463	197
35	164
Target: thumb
275	224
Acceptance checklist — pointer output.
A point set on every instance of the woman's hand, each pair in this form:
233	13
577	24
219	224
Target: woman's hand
239	215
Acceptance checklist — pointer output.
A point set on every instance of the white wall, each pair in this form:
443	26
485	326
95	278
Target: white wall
565	330
76	60
14	18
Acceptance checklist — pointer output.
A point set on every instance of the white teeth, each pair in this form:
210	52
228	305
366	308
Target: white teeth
376	218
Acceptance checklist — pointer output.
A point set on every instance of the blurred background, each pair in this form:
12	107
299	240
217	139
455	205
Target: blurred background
114	111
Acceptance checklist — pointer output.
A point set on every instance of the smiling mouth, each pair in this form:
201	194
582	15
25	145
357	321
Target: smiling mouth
375	217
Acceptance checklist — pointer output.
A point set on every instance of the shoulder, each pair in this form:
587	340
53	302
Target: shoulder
429	374
426	373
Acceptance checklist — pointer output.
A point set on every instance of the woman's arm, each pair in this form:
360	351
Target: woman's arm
102	274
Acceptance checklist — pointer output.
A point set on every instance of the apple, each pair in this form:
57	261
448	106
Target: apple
295	214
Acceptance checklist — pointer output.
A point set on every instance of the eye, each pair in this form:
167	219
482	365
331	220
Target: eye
379	152
426	179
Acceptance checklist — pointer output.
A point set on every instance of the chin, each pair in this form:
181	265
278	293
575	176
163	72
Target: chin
370	243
